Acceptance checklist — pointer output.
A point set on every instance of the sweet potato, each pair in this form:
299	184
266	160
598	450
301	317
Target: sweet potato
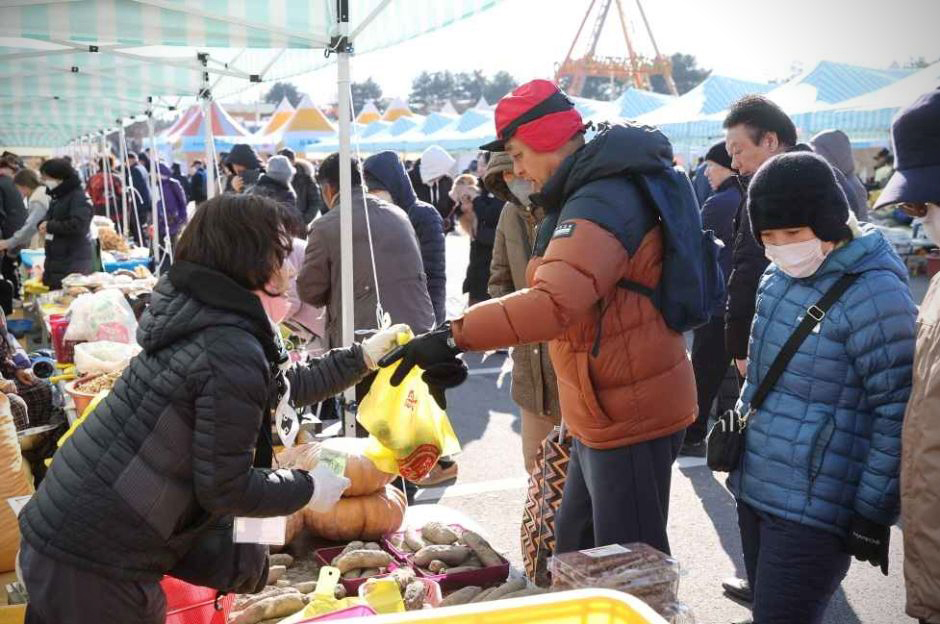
481	548
282	583
413	541
244	601
352	574
305	587
450	555
437	566
282	559
414	596
275	572
437	533
362	559
461	596
369	572
351	546
404	577
510	586
528	591
459	569
371	546
474	562
484	595
270	608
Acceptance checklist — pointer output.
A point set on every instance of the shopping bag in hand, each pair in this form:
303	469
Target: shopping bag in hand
543	498
409	431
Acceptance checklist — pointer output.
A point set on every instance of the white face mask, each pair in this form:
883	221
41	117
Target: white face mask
797	259
932	223
522	189
51	183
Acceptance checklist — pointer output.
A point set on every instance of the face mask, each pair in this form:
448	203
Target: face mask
51	183
276	308
932	223
522	189
797	259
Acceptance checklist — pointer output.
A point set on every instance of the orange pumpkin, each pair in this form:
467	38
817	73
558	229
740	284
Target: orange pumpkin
365	477
295	524
366	517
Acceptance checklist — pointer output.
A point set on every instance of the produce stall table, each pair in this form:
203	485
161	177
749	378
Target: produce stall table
30	258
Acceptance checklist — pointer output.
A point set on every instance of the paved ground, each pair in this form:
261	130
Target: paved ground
702	527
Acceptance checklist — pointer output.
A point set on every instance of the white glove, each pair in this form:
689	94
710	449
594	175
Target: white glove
328	488
381	342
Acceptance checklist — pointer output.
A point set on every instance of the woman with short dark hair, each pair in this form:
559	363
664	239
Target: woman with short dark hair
183	441
67	228
30	187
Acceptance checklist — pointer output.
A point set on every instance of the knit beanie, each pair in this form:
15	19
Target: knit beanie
280	169
798	189
718	154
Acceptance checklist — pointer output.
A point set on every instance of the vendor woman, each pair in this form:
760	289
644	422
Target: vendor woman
174	444
67	228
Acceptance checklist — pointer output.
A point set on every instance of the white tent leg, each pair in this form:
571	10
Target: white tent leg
154	198
210	141
345	208
126	178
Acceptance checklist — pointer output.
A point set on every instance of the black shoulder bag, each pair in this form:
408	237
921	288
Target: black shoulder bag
726	438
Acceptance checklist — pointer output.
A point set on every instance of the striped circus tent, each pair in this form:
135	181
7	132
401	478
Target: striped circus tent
369	114
225	130
396	110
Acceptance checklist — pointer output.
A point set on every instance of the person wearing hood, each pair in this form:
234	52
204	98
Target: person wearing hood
915	188
432	179
246	167
534	385
625	383
182	443
710	358
275	183
481	209
67	227
385	177
835	147
817	482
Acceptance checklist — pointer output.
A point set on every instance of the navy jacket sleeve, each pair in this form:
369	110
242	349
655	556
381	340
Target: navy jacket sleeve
748	263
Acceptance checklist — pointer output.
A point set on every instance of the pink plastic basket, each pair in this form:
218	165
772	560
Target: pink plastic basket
484	577
326	555
192	604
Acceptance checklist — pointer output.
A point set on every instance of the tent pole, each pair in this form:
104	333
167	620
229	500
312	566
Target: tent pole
206	96
341	46
126	182
155	249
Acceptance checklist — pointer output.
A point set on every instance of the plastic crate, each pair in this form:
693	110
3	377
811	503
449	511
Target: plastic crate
325	557
582	606
192	604
130	265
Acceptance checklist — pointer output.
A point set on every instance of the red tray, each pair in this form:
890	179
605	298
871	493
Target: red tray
326	555
484	577
192	604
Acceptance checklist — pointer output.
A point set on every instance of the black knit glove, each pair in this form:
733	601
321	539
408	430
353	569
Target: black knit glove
425	351
868	541
440	377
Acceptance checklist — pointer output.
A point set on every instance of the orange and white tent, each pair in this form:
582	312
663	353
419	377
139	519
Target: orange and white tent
396	110
282	114
368	114
307	126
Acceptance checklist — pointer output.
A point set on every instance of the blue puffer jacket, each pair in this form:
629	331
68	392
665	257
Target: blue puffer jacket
826	443
388	170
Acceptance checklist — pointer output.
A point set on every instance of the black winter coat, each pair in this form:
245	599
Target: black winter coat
387	169
437	194
309	199
68	233
12	207
171	449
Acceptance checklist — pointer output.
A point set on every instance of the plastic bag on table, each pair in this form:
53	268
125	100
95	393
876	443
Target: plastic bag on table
103	356
409	431
104	315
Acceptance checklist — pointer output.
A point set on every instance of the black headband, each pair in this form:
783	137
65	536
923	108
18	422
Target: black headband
555	103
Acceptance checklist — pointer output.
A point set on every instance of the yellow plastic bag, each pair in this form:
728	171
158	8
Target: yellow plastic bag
323	601
409	431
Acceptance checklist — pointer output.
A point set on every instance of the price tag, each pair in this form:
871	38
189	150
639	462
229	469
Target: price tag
17	503
605	551
271	531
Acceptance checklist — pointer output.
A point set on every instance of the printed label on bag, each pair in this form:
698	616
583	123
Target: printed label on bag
333	460
17	503
605	551
419	463
271	531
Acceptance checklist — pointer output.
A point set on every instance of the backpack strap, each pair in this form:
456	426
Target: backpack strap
814	315
652	293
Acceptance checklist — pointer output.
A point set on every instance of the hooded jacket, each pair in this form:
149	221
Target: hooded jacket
68	233
175	202
245	156
12	207
920	467
388	170
432	182
835	147
278	191
623	376
171	448
401	280
309	198
826	443
748	263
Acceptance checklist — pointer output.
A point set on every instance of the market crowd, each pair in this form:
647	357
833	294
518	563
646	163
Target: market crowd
576	264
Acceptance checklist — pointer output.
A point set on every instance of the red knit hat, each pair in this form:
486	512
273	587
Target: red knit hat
539	114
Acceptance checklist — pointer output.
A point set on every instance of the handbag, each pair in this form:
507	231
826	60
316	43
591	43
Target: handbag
543	498
725	441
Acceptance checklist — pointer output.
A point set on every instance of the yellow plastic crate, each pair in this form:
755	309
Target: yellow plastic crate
581	606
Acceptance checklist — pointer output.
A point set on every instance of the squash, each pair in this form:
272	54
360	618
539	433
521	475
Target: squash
295	524
366	517
365	477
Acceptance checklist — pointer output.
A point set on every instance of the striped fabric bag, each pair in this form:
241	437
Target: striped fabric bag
546	485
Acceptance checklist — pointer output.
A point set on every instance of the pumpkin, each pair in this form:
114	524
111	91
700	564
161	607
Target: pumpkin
364	476
295	523
364	518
